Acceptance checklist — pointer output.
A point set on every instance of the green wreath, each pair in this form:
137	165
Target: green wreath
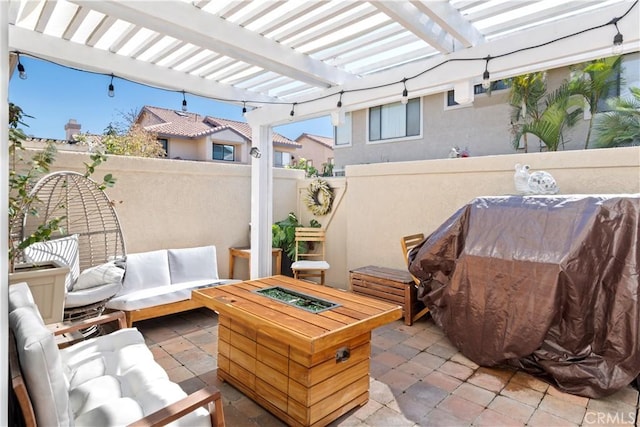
319	197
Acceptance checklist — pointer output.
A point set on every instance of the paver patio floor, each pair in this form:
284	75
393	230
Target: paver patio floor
418	378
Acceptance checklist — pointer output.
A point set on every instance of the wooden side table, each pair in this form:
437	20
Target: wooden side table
390	285
246	253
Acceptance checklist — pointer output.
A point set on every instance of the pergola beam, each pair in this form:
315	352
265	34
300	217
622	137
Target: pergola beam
451	21
187	23
87	58
409	17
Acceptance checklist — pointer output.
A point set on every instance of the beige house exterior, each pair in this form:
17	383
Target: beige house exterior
315	149
482	126
192	136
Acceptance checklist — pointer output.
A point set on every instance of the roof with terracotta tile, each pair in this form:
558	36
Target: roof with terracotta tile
326	141
192	125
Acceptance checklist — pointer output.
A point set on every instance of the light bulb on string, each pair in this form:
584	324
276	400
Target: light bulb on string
293	112
111	91
405	92
184	102
244	108
21	71
486	77
617	39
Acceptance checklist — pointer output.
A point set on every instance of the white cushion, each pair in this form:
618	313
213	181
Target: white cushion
82	297
191	264
310	265
99	275
114	380
146	270
161	295
20	296
42	367
63	250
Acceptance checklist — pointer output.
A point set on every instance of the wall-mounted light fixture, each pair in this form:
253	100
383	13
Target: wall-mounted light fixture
255	152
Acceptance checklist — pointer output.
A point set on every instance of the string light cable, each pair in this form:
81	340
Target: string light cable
617	44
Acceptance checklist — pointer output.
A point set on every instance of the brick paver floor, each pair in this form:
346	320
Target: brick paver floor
417	378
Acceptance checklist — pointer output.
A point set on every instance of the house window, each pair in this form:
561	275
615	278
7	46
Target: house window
224	152
395	120
165	145
613	92
342	133
282	159
477	90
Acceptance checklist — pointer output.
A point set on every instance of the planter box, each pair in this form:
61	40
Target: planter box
46	282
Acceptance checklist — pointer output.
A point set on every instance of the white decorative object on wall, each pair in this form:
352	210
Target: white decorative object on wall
539	182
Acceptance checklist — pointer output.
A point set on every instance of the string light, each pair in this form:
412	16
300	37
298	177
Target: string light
244	108
21	71
405	92
111	91
486	82
486	77
617	39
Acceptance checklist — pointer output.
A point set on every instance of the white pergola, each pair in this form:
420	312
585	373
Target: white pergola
276	56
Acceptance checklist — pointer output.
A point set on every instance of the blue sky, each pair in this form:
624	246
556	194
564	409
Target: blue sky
53	94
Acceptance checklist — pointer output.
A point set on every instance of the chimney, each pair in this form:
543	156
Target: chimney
72	128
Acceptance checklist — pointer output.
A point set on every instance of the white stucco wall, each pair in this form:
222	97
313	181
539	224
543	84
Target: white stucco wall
171	204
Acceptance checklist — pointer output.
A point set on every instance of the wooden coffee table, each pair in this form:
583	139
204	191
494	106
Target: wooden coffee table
305	368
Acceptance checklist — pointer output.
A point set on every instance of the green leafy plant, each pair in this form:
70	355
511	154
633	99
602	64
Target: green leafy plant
621	125
562	110
24	172
594	81
283	235
525	96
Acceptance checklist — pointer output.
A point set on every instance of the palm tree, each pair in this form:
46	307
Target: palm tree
595	80
526	93
621	125
562	111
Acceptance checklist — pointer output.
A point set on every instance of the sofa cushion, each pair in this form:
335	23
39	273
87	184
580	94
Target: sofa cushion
82	297
189	264
146	270
20	296
160	295
99	275
114	380
41	366
63	250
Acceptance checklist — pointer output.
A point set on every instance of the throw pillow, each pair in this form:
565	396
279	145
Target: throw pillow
99	275
63	250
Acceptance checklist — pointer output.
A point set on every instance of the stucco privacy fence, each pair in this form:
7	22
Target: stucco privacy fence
171	203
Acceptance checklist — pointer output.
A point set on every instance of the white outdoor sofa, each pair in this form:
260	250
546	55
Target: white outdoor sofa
110	380
157	283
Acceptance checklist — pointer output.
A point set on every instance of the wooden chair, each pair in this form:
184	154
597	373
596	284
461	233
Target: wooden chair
309	260
408	243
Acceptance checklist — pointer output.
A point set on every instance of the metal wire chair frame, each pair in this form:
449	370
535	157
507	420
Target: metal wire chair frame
86	211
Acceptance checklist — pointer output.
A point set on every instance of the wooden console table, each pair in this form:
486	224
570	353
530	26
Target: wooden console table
305	368
246	254
391	285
